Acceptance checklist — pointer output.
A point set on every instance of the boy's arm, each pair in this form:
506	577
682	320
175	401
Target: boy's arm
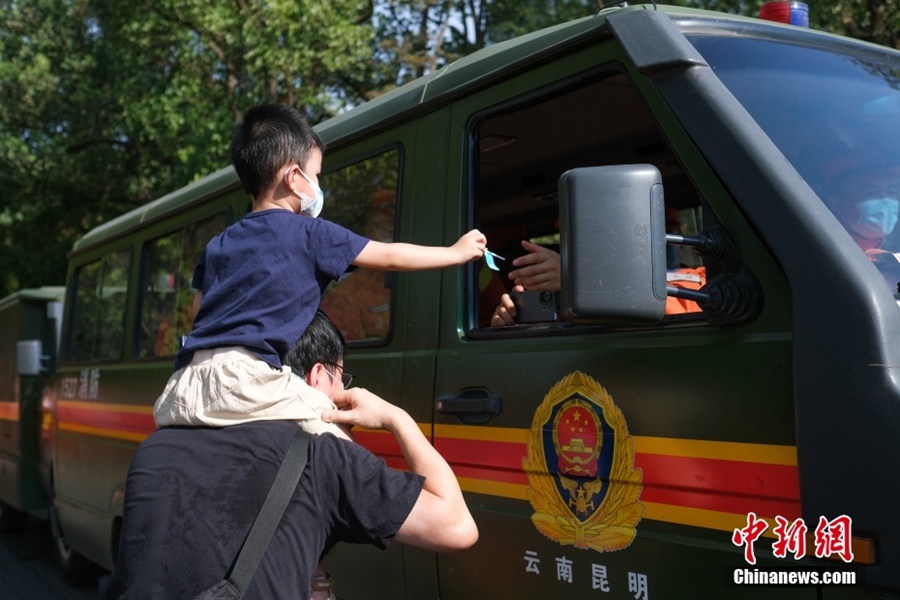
440	520
412	257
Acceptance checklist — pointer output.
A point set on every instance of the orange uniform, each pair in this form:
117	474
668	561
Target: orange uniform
690	279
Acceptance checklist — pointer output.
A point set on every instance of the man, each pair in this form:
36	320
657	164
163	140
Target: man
192	494
864	195
863	192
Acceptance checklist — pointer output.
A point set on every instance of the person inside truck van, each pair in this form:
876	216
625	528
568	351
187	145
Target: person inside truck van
864	195
259	283
192	493
540	270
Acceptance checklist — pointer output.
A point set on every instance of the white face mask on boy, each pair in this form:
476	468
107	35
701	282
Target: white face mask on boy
311	207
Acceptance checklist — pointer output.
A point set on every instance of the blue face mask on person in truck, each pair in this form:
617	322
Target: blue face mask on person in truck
876	217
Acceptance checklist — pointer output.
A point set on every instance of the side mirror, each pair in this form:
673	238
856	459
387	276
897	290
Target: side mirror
28	358
613	244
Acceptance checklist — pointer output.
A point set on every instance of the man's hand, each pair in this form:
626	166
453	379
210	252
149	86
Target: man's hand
470	246
440	520
505	313
359	406
539	269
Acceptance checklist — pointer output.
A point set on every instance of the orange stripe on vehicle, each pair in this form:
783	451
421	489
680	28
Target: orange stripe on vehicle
692	482
9	411
734	451
682	515
493	488
710	519
101	432
768	453
119	421
703	483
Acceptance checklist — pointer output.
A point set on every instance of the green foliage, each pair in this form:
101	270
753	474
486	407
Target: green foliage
108	105
876	21
416	37
58	168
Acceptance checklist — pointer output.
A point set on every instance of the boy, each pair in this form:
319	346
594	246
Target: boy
259	283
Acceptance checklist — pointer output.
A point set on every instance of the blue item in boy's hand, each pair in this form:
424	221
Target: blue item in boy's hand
489	259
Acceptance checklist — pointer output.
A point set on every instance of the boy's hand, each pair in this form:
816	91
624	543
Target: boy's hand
470	246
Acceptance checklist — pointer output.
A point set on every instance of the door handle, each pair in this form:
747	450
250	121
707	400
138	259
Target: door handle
473	405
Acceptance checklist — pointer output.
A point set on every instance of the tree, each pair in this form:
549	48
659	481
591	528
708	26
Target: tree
873	21
107	105
488	22
417	37
60	159
876	21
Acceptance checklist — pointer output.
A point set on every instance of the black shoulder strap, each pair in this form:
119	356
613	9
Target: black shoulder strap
270	514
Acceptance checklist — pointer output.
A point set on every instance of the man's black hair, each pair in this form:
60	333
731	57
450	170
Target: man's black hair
322	342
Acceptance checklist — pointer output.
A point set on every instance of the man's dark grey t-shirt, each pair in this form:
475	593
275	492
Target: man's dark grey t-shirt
193	492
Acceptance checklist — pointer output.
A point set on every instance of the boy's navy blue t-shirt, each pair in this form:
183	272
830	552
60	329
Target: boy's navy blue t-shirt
262	280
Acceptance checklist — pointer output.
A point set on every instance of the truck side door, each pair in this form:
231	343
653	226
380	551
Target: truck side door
615	459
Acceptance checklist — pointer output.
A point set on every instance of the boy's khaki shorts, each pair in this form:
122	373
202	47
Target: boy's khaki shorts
228	386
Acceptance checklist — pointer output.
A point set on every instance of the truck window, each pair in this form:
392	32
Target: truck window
97	325
836	117
521	151
166	293
363	198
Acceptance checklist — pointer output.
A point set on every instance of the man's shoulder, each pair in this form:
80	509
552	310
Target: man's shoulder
261	437
257	433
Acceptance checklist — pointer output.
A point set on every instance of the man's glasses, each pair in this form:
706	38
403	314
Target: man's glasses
346	376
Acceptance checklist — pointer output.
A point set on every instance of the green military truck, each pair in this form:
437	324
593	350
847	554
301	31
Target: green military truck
29	332
612	446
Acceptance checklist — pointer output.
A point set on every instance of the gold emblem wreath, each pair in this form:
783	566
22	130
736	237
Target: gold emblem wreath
613	525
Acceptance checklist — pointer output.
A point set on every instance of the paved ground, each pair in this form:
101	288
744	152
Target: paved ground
28	570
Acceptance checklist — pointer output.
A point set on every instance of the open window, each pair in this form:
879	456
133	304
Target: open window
522	149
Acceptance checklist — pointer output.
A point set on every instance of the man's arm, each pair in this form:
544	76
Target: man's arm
538	270
440	519
412	257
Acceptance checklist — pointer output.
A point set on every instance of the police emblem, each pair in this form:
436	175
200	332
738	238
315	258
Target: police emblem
583	485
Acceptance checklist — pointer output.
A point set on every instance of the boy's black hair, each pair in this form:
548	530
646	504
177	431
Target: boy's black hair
267	138
322	342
